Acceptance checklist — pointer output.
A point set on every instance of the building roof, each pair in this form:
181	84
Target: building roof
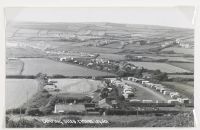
73	107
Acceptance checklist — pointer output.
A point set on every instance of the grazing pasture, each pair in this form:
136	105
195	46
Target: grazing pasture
164	67
18	90
33	66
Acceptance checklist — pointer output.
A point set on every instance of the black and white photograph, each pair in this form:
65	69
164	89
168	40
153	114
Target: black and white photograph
79	67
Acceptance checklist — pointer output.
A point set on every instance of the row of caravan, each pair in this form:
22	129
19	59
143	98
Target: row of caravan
175	96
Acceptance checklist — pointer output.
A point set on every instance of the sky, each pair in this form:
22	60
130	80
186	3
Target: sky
164	16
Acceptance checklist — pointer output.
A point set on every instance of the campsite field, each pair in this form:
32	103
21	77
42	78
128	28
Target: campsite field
161	66
33	66
183	87
78	86
18	90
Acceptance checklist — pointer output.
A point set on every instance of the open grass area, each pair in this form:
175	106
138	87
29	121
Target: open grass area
18	90
33	66
180	50
78	86
164	67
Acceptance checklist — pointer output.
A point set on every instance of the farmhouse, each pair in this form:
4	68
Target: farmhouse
173	101
63	108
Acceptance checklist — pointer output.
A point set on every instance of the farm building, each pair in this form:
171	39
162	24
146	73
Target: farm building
183	100
63	108
147	101
173	101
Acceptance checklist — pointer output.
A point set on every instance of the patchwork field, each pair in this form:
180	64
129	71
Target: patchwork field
180	50
78	86
187	66
18	90
33	66
14	67
161	66
112	56
181	76
23	52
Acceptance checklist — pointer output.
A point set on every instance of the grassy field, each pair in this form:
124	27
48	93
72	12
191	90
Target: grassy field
17	91
180	50
23	52
181	76
187	66
82	86
112	56
14	67
161	66
32	66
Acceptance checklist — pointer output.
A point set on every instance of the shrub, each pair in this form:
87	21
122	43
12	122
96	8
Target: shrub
34	112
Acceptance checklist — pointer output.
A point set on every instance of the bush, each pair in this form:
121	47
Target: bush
34	112
16	111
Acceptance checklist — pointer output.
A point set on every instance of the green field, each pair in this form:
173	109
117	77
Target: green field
18	90
33	66
180	50
78	86
164	67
